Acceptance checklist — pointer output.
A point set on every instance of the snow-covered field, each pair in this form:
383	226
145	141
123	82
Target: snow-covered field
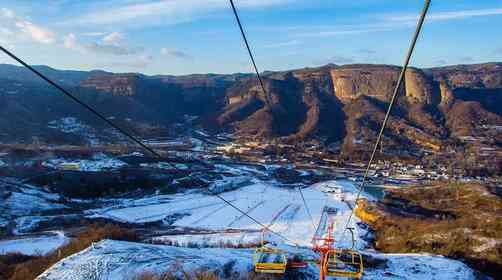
98	162
74	126
281	209
24	200
39	245
209	221
118	260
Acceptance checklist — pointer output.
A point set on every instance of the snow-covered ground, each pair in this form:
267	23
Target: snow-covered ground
74	126
207	220
98	162
22	204
281	209
69	125
114	260
26	200
118	260
39	245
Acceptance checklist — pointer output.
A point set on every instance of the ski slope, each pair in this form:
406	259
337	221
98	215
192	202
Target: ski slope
281	209
117	260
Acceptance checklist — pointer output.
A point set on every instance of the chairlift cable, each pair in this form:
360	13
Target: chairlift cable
244	37
130	136
392	102
83	104
307	208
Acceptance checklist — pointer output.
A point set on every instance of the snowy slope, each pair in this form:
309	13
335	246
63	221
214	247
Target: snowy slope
281	209
118	260
24	199
34	245
114	260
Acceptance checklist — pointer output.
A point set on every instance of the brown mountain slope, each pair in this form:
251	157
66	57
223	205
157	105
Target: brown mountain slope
334	103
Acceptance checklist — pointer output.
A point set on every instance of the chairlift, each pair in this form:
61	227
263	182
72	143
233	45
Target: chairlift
296	262
334	261
342	262
267	259
270	260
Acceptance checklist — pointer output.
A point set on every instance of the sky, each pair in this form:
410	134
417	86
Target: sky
201	36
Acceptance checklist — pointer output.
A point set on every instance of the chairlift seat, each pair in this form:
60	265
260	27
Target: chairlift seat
344	263
269	260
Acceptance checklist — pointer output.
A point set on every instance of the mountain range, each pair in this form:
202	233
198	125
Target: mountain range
342	104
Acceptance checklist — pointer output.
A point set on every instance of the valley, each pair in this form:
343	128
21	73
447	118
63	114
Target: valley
81	202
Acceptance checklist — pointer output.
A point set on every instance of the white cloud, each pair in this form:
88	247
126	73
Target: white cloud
175	53
114	38
283	44
37	33
7	37
387	22
136	62
115	44
70	41
93	34
449	15
8	13
168	12
367	51
112	49
352	30
5	32
112	44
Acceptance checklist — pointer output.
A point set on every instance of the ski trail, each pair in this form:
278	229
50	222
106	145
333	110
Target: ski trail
247	212
171	211
276	216
223	206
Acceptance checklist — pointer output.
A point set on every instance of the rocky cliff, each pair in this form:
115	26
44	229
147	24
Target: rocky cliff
344	104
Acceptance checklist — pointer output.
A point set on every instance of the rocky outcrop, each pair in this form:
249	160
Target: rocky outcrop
379	82
120	85
375	81
487	75
418	87
447	97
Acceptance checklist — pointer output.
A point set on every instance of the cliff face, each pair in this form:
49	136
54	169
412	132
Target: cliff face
374	81
420	88
119	85
379	82
349	102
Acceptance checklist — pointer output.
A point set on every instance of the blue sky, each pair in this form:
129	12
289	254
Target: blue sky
200	36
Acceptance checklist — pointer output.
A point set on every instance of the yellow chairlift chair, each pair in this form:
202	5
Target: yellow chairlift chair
343	263
269	260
